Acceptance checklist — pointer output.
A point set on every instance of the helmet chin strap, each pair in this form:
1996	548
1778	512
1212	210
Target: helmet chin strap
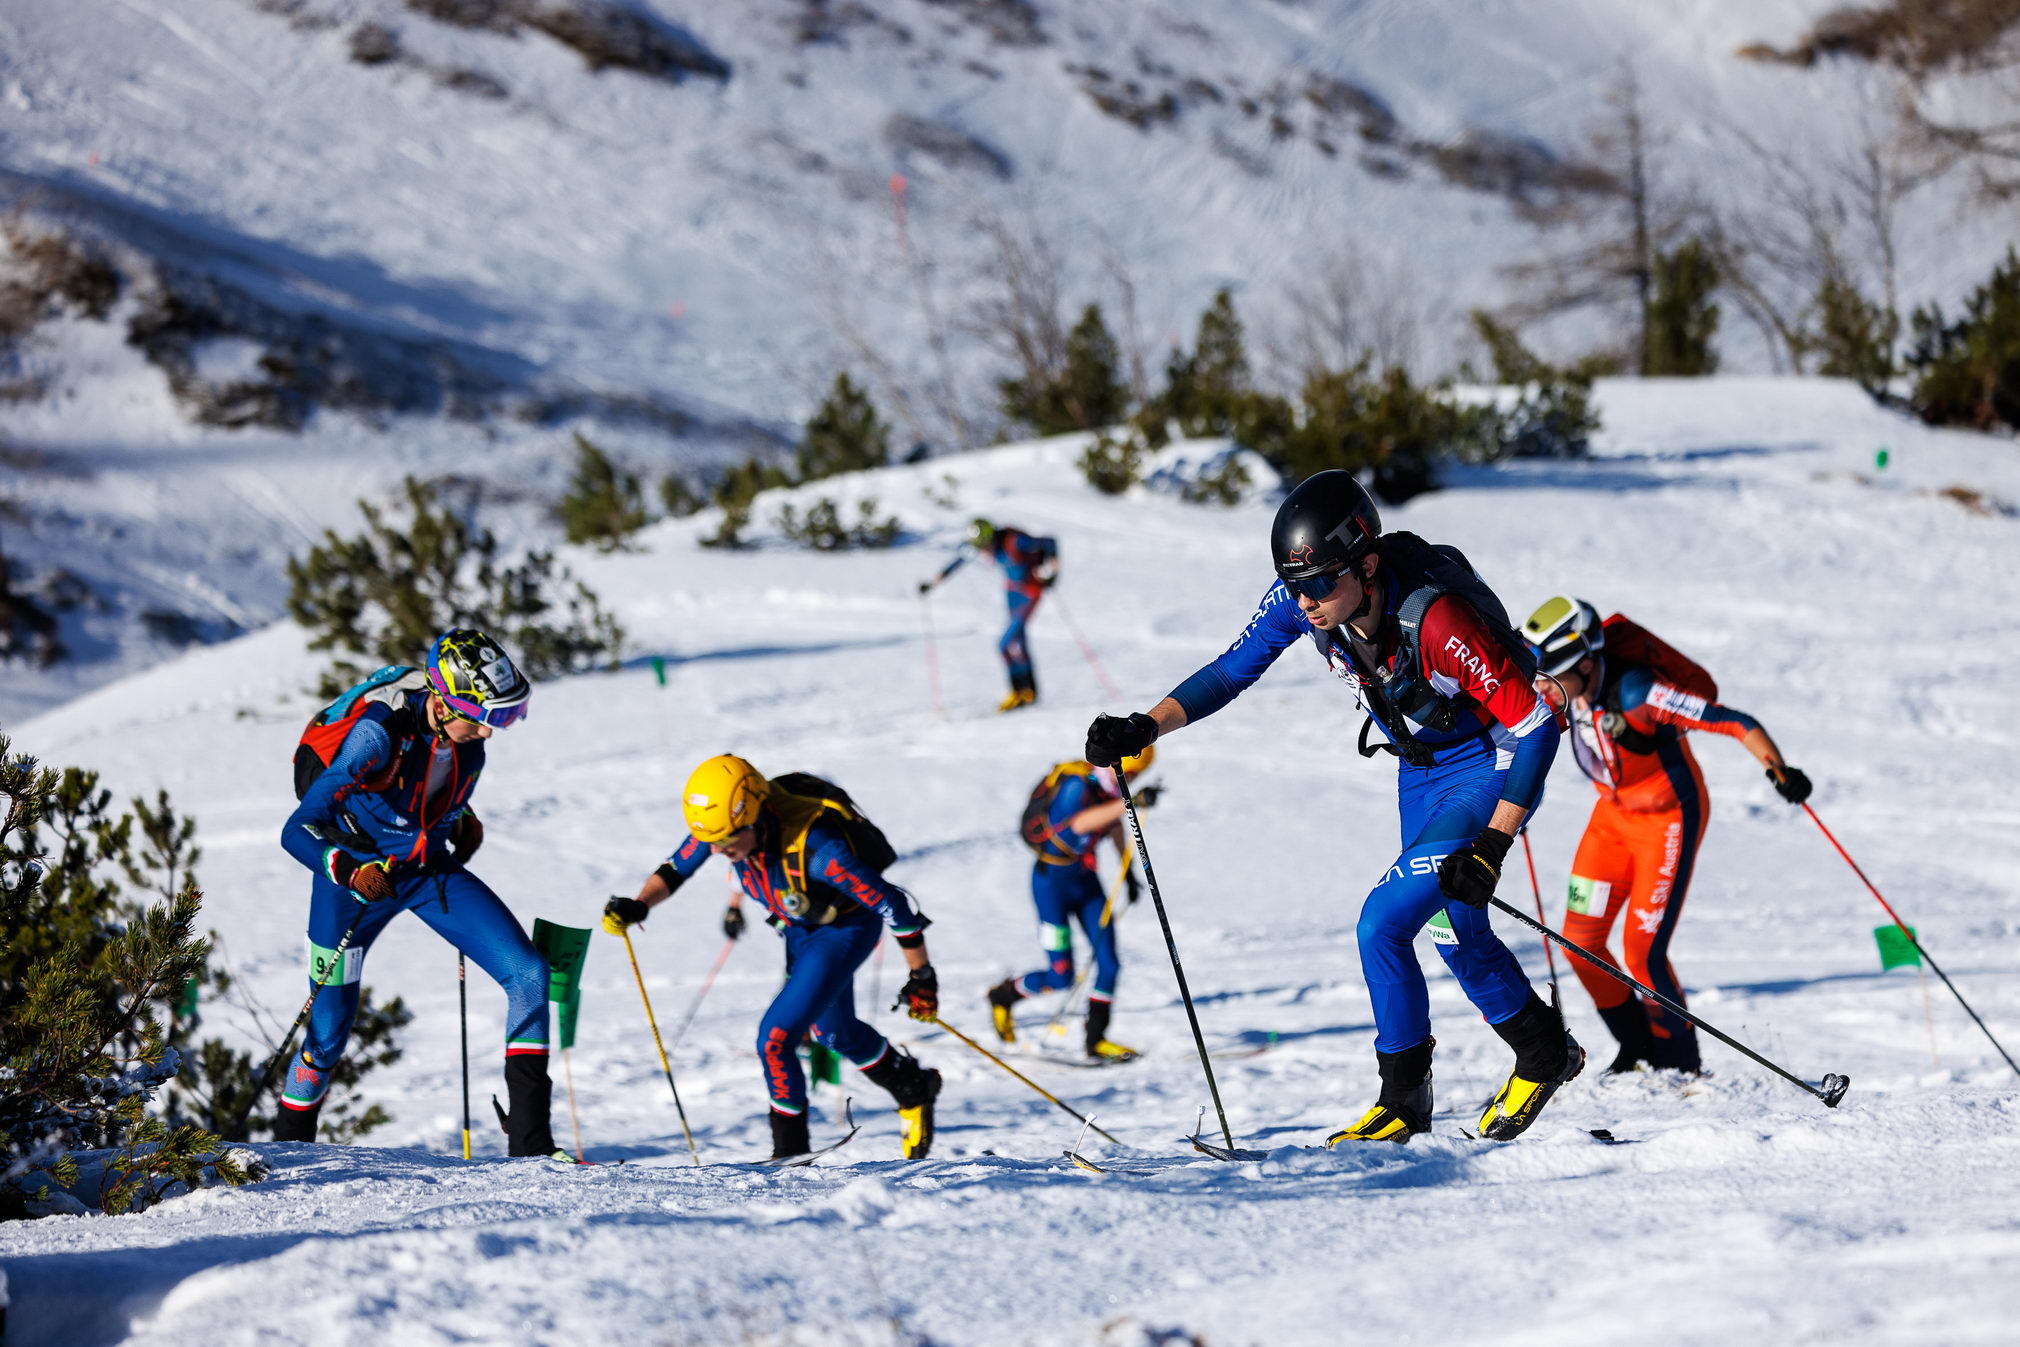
1367	596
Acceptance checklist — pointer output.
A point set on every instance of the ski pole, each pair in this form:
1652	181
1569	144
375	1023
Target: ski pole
728	946
1086	649
1910	935
666	1065
1833	1087
265	1077
932	657
1020	1075
1170	944
877	979
574	1118
463	1008
1079	983
1536	890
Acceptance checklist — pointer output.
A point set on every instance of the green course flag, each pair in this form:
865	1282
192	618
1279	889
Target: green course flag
565	948
1896	949
823	1064
659	670
185	1005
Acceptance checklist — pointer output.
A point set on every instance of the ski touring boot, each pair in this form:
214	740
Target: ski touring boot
1403	1108
1546	1056
1098	1046
913	1088
525	1123
1629	1023
1023	692
1002	996
789	1135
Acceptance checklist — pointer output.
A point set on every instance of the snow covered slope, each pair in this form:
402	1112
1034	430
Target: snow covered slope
684	265
1858	614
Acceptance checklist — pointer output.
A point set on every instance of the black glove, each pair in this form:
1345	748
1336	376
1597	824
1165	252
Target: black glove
620	914
466	834
1469	874
1110	739
733	922
371	881
925	586
1146	796
920	996
1793	785
1133	885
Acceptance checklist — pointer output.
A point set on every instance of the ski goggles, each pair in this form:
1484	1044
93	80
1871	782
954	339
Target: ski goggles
497	717
1318	588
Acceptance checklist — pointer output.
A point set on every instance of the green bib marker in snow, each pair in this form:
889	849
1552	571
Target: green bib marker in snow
564	948
1896	949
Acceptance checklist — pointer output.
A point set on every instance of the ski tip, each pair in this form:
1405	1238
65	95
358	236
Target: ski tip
1082	1162
1833	1090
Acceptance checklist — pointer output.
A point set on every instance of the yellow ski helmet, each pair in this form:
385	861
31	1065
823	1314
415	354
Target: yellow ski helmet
982	533
722	796
1139	762
1562	632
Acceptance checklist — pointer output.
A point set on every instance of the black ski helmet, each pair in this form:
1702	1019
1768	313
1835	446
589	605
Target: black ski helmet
1328	519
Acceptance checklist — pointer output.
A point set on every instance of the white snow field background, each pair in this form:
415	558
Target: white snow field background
1865	616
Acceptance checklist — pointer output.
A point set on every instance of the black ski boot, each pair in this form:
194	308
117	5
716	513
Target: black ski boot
789	1135
913	1088
1002	997
527	1086
1403	1109
1098	1046
297	1124
1546	1056
1629	1023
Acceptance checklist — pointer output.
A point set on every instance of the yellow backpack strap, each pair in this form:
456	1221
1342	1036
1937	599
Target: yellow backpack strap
796	815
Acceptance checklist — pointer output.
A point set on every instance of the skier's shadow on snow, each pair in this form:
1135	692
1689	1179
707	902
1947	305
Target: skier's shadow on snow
763	652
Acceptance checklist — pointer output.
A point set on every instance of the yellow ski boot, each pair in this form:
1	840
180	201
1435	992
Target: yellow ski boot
1018	697
1002	996
1098	1046
1546	1056
913	1089
1403	1109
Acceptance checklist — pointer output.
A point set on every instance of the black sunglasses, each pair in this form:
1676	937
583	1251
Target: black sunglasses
1318	588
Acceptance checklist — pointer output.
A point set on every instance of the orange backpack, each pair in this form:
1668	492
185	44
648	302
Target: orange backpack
1633	644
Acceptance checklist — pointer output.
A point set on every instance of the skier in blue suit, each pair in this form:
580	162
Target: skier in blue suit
1030	564
385	776
1429	652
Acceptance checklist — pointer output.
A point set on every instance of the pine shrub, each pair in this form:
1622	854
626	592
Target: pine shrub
735	495
602	505
1086	393
384	595
1682	319
1204	391
1112	464
845	434
679	498
83	1048
823	530
1967	373
1853	335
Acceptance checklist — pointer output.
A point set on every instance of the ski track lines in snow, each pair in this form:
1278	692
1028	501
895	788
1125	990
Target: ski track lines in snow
1726	515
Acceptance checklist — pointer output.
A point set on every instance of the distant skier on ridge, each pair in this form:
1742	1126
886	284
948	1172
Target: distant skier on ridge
1030	566
384	776
1430	654
1630	699
803	850
1070	811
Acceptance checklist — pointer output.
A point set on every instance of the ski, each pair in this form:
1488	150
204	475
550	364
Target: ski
1233	1155
796	1161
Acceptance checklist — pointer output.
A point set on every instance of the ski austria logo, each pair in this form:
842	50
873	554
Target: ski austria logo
1663	697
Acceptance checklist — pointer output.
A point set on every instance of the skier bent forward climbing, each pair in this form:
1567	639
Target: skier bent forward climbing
805	853
1069	813
1630	698
1429	652
1030	566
